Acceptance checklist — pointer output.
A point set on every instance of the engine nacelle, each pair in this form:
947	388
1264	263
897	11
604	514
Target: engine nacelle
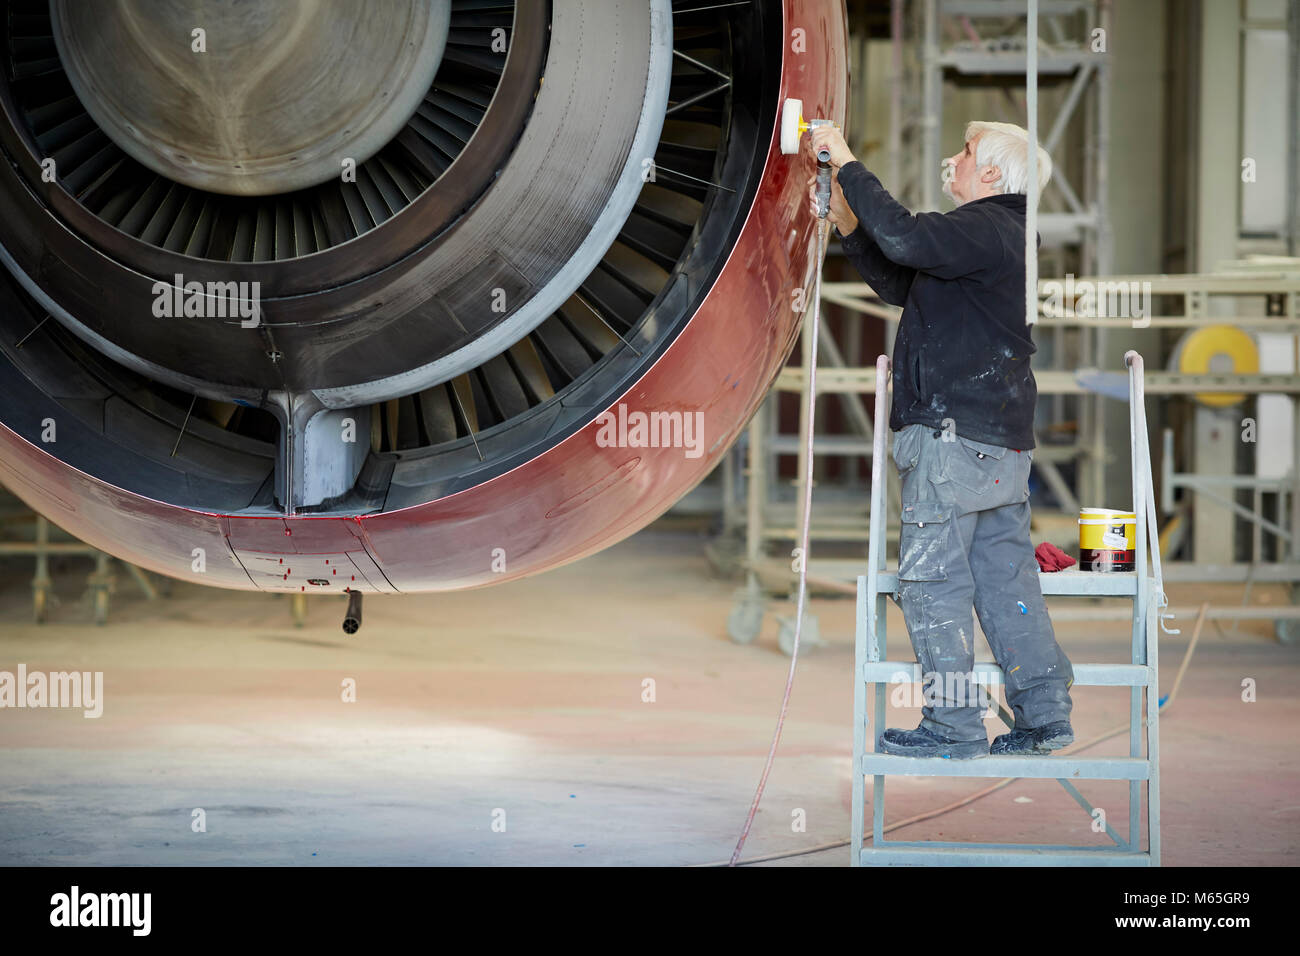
508	309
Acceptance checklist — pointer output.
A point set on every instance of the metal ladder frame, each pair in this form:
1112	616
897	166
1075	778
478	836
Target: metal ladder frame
871	667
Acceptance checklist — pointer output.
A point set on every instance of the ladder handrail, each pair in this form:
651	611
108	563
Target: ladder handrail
1151	598
875	533
1144	505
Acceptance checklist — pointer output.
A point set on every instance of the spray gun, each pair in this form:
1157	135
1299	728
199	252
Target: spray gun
823	179
793	126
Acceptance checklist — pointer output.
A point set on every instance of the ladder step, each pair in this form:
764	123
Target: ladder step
986	672
947	855
1059	583
1038	767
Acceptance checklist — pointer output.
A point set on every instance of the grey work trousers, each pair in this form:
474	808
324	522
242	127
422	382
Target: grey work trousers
965	541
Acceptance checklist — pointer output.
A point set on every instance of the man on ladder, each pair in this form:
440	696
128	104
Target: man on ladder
963	411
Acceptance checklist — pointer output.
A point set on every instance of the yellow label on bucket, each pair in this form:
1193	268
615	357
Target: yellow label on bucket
1101	529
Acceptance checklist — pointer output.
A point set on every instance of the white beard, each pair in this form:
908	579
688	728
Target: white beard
974	187
947	191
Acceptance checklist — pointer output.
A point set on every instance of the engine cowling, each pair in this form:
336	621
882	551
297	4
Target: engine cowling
494	328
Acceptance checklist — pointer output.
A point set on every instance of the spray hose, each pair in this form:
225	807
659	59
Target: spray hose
807	453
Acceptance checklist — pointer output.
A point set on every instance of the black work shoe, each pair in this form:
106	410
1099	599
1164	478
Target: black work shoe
1034	740
925	743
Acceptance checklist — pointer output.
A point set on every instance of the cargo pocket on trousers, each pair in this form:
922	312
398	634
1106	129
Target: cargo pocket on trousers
923	541
972	464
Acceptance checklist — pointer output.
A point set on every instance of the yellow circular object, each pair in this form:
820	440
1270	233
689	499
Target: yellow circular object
1217	350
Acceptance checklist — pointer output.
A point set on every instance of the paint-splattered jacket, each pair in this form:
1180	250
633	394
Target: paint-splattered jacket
962	350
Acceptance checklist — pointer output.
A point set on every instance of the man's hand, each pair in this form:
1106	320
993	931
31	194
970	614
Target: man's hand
832	139
840	215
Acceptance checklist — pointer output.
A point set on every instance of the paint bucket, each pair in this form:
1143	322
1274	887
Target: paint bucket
1107	539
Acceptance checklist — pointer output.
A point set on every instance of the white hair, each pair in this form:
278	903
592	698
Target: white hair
1006	146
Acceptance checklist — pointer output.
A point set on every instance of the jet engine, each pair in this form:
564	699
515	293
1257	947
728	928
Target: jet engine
325	296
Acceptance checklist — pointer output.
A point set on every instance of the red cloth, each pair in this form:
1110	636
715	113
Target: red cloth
1052	558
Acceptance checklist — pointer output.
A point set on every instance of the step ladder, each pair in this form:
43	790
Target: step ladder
1141	673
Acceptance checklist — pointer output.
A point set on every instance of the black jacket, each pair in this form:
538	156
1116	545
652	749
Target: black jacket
962	350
